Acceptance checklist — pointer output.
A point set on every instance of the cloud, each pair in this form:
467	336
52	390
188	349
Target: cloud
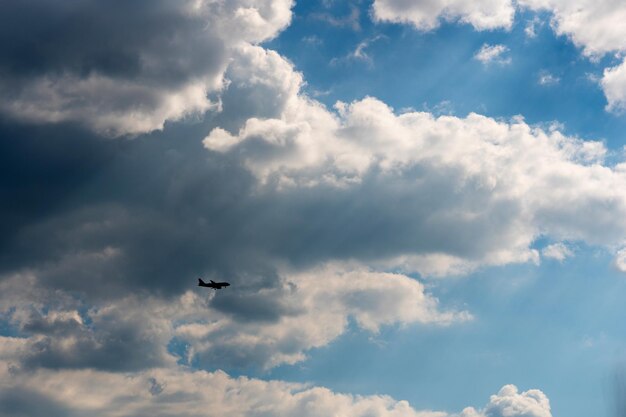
532	26
558	251
282	186
620	260
287	181
482	15
124	70
359	53
594	26
25	402
200	393
474	170
547	79
230	329
614	85
351	20
317	305
59	331
493	54
508	402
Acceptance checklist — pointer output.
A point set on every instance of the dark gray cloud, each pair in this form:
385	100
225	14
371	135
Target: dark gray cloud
23	402
122	39
42	168
155	213
123	67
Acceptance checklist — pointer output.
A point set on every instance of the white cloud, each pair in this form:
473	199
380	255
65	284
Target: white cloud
427	15
596	26
498	184
558	251
493	54
176	391
614	85
509	402
620	260
547	79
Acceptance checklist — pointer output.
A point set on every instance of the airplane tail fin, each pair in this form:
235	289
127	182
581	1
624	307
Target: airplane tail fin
200	282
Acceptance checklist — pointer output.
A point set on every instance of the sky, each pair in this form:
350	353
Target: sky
420	207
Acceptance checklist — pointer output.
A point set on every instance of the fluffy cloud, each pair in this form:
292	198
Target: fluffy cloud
508	402
286	181
475	171
167	392
493	53
614	85
125	69
232	329
596	26
292	182
316	306
426	15
58	330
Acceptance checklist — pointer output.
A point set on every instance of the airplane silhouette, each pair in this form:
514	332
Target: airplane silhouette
212	284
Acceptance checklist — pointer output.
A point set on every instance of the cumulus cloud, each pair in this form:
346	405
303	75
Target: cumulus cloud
235	329
127	69
292	182
435	195
614	85
57	330
200	393
493	54
317	306
474	171
594	26
482	15
509	402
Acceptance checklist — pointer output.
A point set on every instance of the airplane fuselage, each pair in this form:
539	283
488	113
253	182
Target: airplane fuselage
212	284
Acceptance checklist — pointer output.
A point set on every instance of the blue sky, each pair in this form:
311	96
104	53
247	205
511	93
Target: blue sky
420	207
413	69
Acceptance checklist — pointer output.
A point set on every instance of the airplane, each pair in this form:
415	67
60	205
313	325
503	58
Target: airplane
212	284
